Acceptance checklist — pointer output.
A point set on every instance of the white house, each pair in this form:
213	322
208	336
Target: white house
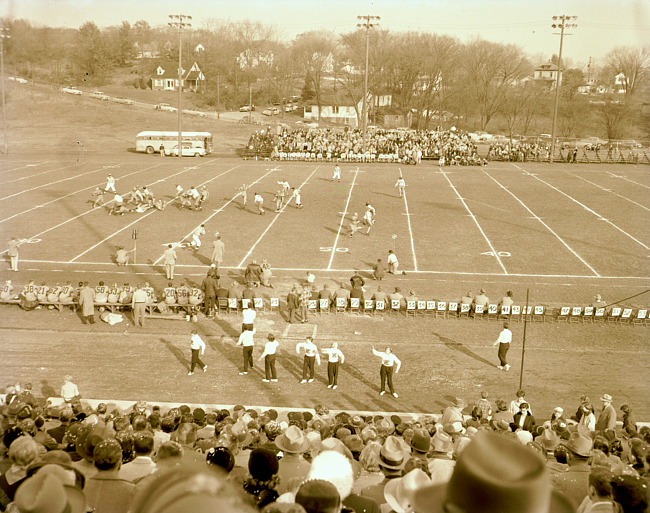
336	109
546	74
165	77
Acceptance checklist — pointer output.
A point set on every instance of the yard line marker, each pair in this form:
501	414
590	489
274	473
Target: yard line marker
626	178
24	166
37	174
608	190
586	208
535	216
344	271
274	219
338	233
76	192
176	244
408	218
147	215
52	183
494	251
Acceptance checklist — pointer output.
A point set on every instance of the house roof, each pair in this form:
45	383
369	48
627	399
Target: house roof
170	69
549	66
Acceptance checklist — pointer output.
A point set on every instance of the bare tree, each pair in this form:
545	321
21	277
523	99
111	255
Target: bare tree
632	63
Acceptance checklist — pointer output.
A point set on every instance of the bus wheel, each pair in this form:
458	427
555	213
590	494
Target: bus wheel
150	150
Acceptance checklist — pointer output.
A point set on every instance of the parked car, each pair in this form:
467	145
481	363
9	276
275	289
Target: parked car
165	107
246	108
271	111
590	143
310	124
482	135
70	90
126	101
21	80
99	95
195	113
290	107
188	151
629	143
502	139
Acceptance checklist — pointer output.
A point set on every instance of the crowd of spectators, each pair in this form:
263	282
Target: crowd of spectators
517	151
510	456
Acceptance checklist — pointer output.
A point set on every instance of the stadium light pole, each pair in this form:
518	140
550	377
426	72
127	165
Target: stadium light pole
367	25
180	21
3	34
559	22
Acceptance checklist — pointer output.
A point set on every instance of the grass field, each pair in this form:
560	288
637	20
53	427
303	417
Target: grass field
563	232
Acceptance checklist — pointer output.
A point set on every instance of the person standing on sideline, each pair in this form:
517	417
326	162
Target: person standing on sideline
269	359
389	362
209	287
337	173
197	345
311	356
293	305
12	251
87	303
218	247
334	358
505	337
392	262
110	184
247	342
139	306
248	315
170	261
401	184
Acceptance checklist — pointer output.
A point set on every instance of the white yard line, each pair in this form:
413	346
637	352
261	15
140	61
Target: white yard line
543	223
152	212
274	220
345	210
25	166
176	244
601	218
37	174
51	183
408	218
608	190
76	192
494	251
629	180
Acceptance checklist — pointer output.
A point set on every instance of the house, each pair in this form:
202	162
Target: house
165	77
340	110
146	51
546	74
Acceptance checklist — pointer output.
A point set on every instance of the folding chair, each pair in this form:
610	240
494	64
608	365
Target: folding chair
341	304
452	310
312	306
479	311
515	313
245	303
492	312
504	313
576	315
222	304
431	308
564	313
394	306
355	305
599	315
464	310
441	309
411	308
538	314
641	317
380	307
233	304
324	306
614	315
626	315
588	314
422	307
368	306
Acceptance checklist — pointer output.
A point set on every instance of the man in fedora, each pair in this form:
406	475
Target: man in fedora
392	459
494	474
399	493
574	481
420	444
607	417
454	413
293	444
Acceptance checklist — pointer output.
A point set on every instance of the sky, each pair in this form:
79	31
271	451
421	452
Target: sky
602	24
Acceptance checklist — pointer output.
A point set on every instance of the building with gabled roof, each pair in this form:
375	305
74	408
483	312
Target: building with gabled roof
165	77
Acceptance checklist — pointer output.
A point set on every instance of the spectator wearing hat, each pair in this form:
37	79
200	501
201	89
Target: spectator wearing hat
504	340
197	346
268	356
334	358
392	459
480	299
607	417
57	432
318	496
389	364
209	287
106	491
293	445
629	420
506	300
420	443
23	451
311	357
518	484
143	464
262	481
454	412
399	493
51	489
574	481
524	419
247	342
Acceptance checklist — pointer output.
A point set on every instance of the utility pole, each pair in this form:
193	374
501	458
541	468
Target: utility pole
3	34
180	21
559	22
366	24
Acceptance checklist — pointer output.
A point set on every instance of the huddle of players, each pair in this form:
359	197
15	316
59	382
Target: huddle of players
139	199
67	293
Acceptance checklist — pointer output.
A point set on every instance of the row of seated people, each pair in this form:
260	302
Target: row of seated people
343	298
343	157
